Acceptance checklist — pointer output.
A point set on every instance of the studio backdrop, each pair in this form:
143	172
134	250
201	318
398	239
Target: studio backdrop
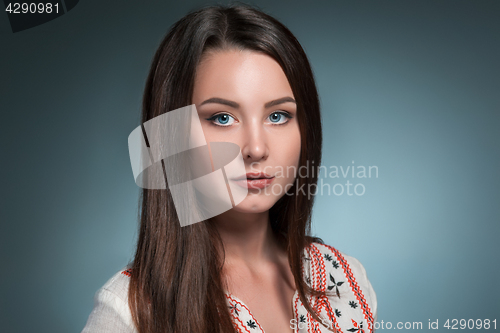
410	180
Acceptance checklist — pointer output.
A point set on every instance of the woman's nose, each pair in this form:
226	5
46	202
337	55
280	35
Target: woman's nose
255	147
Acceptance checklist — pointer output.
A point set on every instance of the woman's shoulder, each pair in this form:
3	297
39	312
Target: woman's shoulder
118	283
344	275
333	257
111	312
336	258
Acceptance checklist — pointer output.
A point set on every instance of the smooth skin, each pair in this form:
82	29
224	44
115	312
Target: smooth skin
233	91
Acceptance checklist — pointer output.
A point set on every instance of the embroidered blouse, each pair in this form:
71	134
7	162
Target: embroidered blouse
351	308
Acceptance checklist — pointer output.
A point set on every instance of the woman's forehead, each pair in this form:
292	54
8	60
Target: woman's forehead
245	76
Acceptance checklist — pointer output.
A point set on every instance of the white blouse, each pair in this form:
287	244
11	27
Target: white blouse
352	308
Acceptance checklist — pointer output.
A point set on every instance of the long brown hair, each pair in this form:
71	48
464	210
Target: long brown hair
176	283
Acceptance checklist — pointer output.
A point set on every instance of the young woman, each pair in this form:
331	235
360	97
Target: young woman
255	267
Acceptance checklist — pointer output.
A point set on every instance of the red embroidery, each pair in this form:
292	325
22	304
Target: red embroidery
127	272
354	286
238	326
241	323
319	266
243	306
296	312
325	304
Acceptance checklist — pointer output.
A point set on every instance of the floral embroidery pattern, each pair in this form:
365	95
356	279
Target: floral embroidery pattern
234	308
242	318
354	285
357	327
251	324
335	285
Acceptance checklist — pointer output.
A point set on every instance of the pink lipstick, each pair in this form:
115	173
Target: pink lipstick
255	180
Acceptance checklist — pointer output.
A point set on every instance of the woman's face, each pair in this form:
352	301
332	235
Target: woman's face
244	97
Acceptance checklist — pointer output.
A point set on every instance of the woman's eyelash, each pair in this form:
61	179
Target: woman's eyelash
284	114
218	115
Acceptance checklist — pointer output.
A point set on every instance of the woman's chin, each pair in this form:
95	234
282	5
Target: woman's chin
255	204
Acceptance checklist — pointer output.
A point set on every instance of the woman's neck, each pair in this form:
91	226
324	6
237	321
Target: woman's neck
248	238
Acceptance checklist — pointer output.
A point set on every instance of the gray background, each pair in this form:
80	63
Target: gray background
408	86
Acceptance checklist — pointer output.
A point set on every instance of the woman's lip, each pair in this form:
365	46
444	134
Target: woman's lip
254	183
254	175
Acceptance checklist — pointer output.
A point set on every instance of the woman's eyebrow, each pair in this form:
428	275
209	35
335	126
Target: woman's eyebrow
218	100
236	105
279	101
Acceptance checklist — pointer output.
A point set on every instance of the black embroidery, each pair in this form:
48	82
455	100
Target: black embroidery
338	313
302	319
251	324
335	264
335	285
353	304
328	257
234	308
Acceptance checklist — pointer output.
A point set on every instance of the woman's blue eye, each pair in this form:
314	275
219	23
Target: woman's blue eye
279	117
222	119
